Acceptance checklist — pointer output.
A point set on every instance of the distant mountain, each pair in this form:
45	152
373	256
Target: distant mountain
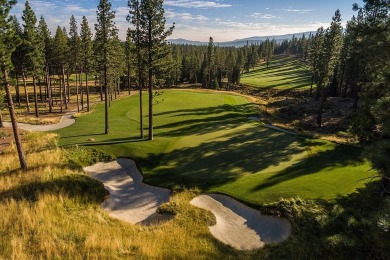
184	41
242	42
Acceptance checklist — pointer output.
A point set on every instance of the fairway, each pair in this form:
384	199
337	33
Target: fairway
205	140
285	72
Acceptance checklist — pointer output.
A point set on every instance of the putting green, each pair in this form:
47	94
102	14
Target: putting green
206	140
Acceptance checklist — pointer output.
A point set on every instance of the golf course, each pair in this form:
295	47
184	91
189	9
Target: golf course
205	140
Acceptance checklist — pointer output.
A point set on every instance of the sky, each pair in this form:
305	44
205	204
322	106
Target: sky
224	20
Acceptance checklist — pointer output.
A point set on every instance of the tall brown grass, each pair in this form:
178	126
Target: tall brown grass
53	212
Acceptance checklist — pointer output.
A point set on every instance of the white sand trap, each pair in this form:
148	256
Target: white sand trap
240	226
66	120
130	199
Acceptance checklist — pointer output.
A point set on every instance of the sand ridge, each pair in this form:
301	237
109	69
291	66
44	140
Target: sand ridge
240	226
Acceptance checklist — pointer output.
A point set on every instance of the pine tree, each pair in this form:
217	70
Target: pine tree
314	56
18	58
135	18
35	48
104	30
8	43
328	61
129	47
45	36
210	62
371	31
86	52
60	54
74	54
153	40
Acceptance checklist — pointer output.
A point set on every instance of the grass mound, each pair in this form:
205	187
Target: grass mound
206	140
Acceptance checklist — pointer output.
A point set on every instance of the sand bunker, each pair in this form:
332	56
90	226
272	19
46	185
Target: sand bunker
240	226
130	199
66	120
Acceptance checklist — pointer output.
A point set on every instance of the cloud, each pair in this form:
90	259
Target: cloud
195	4
301	11
184	16
263	16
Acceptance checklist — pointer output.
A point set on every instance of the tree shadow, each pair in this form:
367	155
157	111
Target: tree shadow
196	121
342	155
83	188
216	162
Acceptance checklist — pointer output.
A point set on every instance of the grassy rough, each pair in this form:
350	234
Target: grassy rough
53	212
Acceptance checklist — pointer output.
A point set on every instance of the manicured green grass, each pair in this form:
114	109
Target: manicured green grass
205	140
284	72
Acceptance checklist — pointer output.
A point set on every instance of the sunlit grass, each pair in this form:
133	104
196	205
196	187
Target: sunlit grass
284	72
205	140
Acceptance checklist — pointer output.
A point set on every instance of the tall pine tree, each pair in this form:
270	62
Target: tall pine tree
8	43
86	52
153	40
104	30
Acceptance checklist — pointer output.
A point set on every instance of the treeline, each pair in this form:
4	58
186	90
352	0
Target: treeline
214	66
29	51
354	62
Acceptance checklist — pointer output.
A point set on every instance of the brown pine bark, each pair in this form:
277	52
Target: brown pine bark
35	97
1	120
25	92
77	93
87	90
22	158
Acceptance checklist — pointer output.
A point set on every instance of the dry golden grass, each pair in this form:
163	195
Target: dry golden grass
53	211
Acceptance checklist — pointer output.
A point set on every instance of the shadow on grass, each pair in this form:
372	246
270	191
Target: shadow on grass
341	156
216	162
205	120
80	187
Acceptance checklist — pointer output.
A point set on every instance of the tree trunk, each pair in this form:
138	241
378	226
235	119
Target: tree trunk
150	87
25	92
356	98
40	90
128	77
87	89
106	130
22	158
101	88
321	108
1	120
48	89
77	94
81	91
35	97
17	89
63	95
68	88
311	85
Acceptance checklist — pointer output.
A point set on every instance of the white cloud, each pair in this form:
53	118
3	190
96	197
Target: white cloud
195	4
301	11
184	16
263	16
